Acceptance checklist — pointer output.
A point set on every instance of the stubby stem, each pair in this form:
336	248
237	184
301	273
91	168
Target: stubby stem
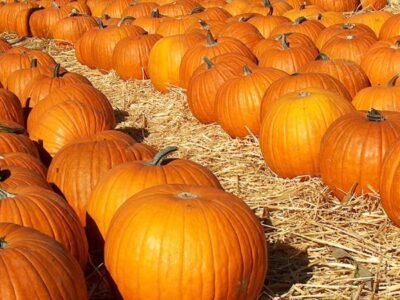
186	196
3	243
124	20
392	81
299	20
100	22
375	116
155	13
348	26
34	63
208	62
246	70
74	12
162	155
210	39
322	56
285	44
56	72
197	10
204	25
54	4
4	194
267	3
5	129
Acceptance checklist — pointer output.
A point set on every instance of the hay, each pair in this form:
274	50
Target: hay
304	225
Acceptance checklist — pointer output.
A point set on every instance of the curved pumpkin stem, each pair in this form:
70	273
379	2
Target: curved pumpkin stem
74	12
56	72
397	44
375	116
208	62
186	196
285	44
348	26
162	155
197	10
246	70
4	194
267	4
204	25
100	23
392	81
3	243
124	20
322	56
299	20
6	129
210	39
34	63
155	13
54	4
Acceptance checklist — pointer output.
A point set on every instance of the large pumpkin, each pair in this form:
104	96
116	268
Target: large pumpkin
50	272
41	21
14	139
77	168
390	28
48	213
298	121
238	101
372	19
24	160
266	24
12	177
112	191
10	107
353	149
337	5
208	242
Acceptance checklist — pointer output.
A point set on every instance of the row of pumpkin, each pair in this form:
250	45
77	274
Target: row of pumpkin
168	223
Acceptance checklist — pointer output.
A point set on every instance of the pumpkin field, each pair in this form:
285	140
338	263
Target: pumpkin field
200	149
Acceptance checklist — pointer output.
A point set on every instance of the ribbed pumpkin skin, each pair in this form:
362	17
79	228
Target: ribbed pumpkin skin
175	26
83	47
115	8
353	149
208	242
298	121
80	92
209	47
381	64
163	67
375	4
310	28
50	272
48	213
337	5
238	101
72	28
206	82
23	160
77	168
139	9
112	190
303	11
266	24
329	18
347	72
390	28
389	187
42	21
4	46
13	177
14	142
301	81
66	122
373	19
131	56
10	107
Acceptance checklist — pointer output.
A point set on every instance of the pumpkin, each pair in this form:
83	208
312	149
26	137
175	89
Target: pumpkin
382	63
4	46
10	107
23	160
303	11
389	189
266	24
50	271
177	8
13	139
18	80
373	4
175	26
344	29
78	167
353	149
349	47
208	78
41	21
187	222
115	8
48	213
80	7
329	18
380	97
310	28
347	72
202	27
149	23
107	38
72	28
372	19
236	7
238	101
138	9
293	39
13	177
287	58
210	47
83	47
299	81
277	7
390	28
80	92
165	58
337	5
211	3
112	191
211	13
131	56
21	58
298	121
97	7
15	17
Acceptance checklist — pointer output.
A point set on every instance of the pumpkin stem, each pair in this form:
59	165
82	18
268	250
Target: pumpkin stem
124	20
162	155
299	20
54	4
210	39
3	243
208	62
319	17
392	81
4	194
56	72
304	94
285	44
134	3
197	10
34	63
280	36
271	11
155	13
204	25
100	22
397	44
350	37
74	12
322	56
348	26
375	116
186	196
246	70
267	3
6	129
303	6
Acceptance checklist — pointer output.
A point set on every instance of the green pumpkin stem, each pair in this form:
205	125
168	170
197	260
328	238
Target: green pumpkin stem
267	3
210	39
34	63
56	72
4	194
208	62
162	155
246	70
197	9
375	116
155	13
285	44
3	243
6	129
124	20
392	81
299	20
322	56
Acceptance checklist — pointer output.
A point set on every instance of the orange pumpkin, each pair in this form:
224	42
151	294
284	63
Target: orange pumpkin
298	121
372	19
353	149
112	191
10	107
390	28
187	222
337	5
23	160
13	177
14	139
41	21
50	271
266	24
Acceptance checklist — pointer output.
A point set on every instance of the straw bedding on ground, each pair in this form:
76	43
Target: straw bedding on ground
319	248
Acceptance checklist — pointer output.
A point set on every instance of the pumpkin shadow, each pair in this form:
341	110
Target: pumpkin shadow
120	115
139	134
